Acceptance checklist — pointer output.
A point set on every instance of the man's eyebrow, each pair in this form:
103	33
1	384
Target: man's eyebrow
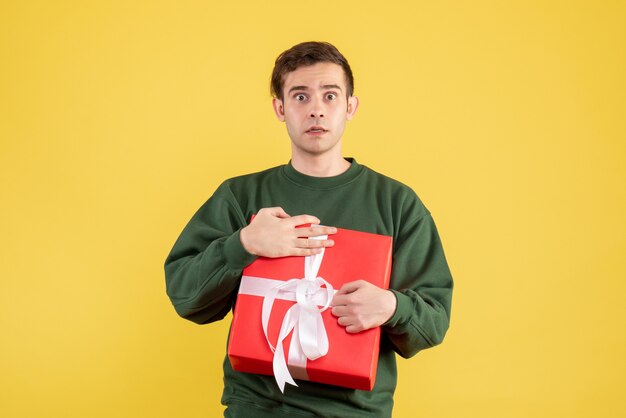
305	88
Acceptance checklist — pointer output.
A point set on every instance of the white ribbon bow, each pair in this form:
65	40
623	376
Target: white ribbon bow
309	340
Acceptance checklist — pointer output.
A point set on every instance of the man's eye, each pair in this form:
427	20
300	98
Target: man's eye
331	96
300	97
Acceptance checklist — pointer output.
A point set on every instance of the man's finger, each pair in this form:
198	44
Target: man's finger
344	321
303	219
353	329
339	299
339	311
314	243
305	251
315	231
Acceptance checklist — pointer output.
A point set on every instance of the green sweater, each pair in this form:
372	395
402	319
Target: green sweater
204	267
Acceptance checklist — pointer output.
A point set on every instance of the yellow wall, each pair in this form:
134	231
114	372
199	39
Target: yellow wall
119	118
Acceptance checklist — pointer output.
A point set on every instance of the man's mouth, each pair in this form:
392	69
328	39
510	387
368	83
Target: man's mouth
316	129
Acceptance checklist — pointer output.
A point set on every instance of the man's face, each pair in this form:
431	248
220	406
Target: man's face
315	108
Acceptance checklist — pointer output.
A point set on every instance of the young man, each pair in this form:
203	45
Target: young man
312	85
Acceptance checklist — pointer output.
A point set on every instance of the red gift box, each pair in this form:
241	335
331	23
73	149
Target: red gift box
351	359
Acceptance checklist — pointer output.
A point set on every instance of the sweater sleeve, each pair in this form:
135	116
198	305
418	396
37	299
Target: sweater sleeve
422	284
204	267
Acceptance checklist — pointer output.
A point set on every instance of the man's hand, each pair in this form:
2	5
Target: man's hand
360	305
273	233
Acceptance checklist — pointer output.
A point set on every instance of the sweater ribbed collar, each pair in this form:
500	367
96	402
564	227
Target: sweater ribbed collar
323	183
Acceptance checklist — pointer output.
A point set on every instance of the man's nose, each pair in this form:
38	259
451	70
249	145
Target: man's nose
317	110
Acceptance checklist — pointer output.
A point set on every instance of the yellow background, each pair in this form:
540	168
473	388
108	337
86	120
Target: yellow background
118	119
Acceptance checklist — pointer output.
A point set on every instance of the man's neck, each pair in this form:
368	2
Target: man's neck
320	166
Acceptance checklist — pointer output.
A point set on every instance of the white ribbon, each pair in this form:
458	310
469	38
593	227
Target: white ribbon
309	340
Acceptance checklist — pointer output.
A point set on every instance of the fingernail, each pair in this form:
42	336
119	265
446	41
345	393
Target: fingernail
330	242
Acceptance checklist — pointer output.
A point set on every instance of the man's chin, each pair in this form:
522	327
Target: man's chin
314	146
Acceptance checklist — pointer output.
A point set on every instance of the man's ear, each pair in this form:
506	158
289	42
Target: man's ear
353	104
279	109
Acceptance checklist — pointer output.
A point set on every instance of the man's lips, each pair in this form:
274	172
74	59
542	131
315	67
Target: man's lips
316	130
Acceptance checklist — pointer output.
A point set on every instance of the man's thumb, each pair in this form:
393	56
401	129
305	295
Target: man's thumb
278	212
350	287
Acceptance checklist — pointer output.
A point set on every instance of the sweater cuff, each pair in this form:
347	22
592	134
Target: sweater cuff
236	256
404	310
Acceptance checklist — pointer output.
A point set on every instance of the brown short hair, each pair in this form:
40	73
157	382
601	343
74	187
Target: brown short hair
304	54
